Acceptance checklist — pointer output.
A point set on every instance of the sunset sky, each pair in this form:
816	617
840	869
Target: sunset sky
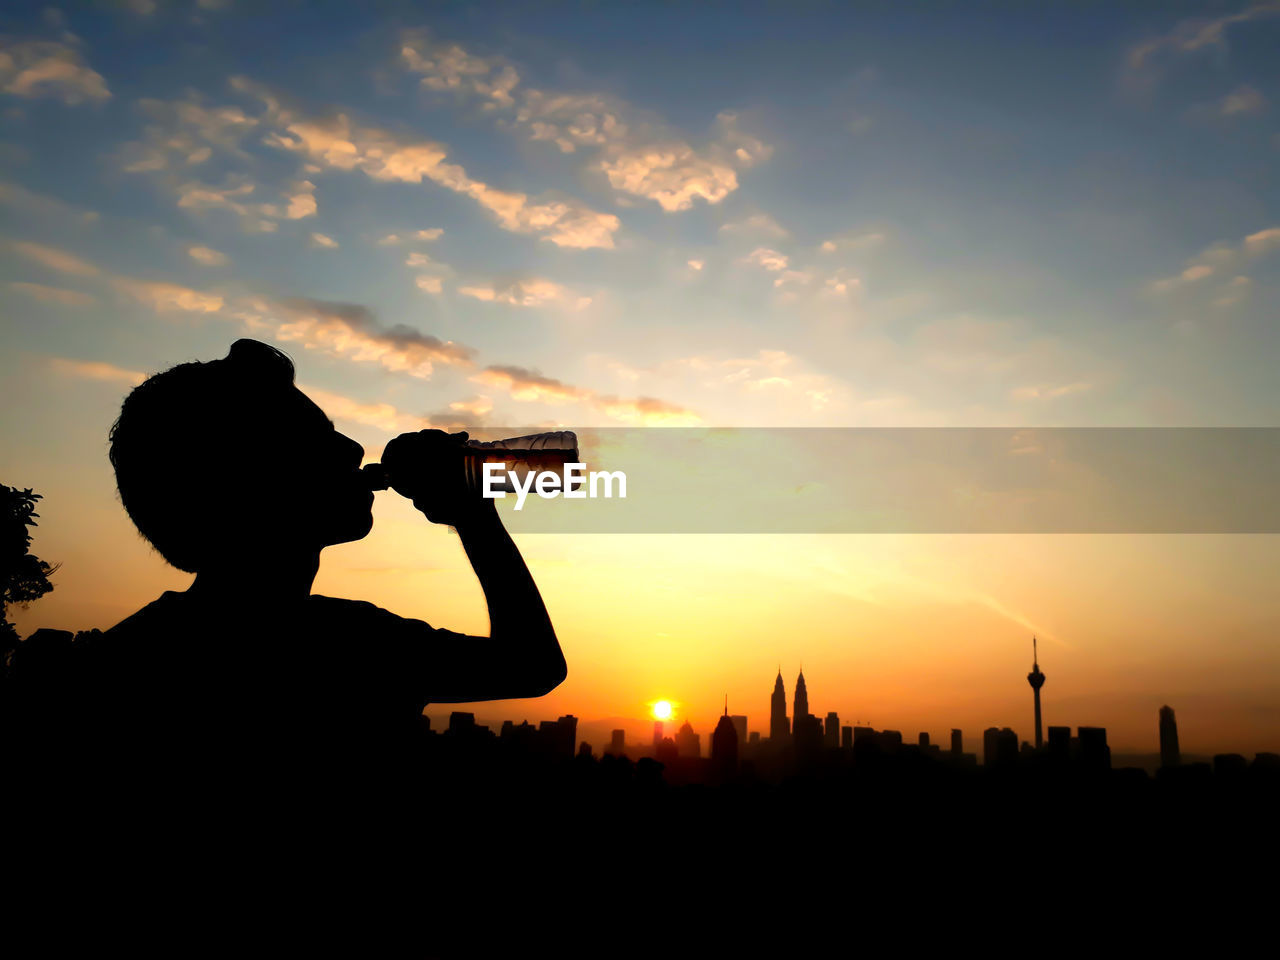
601	215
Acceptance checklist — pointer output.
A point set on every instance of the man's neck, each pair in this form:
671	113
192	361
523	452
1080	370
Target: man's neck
274	580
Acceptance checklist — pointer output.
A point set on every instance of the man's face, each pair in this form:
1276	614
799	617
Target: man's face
324	499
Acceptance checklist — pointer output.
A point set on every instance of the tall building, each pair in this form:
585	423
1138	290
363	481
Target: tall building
740	724
618	745
800	707
831	733
657	734
1036	679
1170	756
779	729
724	743
688	743
1093	752
957	743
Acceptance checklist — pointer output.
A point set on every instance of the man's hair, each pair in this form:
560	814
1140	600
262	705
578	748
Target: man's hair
174	429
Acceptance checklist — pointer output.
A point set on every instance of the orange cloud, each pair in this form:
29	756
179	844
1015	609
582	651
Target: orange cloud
56	259
164	297
95	370
36	68
68	298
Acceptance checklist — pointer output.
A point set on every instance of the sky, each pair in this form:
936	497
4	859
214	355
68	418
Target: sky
651	215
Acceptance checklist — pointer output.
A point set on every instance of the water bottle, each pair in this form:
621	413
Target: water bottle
535	453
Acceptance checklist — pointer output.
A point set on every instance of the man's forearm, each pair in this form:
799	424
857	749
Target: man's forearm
518	619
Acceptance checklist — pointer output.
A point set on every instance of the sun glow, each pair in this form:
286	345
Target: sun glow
662	710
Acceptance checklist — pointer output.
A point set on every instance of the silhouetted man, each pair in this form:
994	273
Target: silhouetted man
248	691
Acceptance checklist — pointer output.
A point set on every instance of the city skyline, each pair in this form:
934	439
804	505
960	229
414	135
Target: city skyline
644	733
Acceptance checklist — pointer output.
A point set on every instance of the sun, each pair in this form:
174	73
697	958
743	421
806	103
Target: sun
662	710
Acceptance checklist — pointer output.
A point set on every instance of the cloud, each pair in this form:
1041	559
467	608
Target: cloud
769	370
519	293
1144	60
696	264
1242	100
648	412
417	260
167	297
853	241
351	331
46	208
95	370
435	233
68	298
207	256
302	202
1234	291
758	224
254	217
1263	241
1050	392
383	416
183	133
450	67
35	68
429	284
342	145
322	241
636	151
56	259
532	387
768	259
1219	259
671	174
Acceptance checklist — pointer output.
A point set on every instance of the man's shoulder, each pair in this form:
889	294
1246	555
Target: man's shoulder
341	608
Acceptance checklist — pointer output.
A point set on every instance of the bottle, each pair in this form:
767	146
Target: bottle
522	455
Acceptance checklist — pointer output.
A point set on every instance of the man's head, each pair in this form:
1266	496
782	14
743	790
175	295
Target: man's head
226	458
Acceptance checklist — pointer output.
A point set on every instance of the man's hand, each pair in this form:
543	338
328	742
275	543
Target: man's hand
429	467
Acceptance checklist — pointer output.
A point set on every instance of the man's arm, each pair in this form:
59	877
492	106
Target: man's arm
521	657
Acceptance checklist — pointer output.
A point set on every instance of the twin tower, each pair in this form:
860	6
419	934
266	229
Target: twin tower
779	727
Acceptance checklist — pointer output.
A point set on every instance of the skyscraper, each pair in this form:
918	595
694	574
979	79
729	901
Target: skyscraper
1036	679
724	744
800	708
688	743
779	729
1170	756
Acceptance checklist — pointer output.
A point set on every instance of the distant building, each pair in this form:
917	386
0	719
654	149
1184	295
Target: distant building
688	743
666	751
657	734
923	740
831	732
846	738
779	729
1093	752
1060	744
461	722
999	746
724	745
618	743
740	725
957	743
1170	755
